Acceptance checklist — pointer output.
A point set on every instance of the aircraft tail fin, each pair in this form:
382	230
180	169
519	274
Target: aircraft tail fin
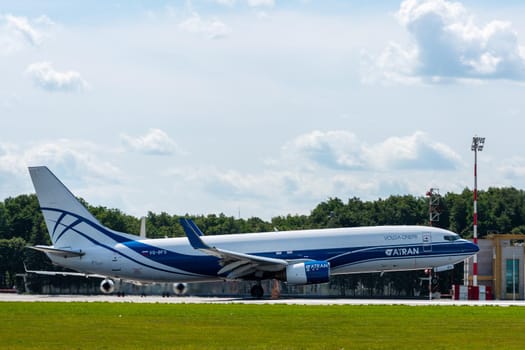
69	223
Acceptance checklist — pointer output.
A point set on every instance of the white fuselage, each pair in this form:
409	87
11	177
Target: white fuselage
348	250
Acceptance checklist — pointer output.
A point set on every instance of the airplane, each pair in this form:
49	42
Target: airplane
82	243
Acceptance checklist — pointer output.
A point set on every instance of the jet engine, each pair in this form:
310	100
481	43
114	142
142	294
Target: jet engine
308	272
107	286
180	288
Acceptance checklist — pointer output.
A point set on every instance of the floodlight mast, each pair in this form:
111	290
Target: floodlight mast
477	145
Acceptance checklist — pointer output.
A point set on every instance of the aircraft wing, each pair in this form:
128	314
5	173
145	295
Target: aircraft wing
235	264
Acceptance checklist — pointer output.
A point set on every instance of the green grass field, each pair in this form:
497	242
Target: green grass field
241	326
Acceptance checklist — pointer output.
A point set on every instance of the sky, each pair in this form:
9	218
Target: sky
260	108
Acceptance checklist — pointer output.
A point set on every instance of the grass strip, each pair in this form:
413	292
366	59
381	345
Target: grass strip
242	326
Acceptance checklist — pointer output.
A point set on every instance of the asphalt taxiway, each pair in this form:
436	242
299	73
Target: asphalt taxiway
8	297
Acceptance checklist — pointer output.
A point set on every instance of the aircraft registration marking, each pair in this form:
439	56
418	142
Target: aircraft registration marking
154	252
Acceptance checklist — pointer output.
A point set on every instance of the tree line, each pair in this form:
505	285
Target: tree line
501	210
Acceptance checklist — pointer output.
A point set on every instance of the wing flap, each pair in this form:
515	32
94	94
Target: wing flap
242	271
232	266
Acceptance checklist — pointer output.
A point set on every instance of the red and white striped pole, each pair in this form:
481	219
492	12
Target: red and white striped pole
477	145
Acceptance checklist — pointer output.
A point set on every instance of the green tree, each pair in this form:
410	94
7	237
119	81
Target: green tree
116	219
405	210
162	225
11	259
21	213
3	222
255	225
327	214
290	222
458	212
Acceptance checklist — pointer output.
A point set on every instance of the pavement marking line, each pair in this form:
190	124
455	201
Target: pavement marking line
8	297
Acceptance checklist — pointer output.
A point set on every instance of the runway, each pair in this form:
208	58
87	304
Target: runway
8	297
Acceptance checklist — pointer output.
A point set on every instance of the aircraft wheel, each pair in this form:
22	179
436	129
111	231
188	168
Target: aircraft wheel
257	291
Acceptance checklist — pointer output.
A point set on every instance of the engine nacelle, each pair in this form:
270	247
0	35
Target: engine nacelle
308	272
107	286
180	288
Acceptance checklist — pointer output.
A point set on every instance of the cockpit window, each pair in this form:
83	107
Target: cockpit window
451	237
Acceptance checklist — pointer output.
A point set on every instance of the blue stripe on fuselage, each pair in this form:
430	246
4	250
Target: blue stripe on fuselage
198	264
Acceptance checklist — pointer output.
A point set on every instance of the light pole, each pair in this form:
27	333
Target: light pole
477	145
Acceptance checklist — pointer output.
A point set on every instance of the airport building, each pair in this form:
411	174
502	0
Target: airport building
501	265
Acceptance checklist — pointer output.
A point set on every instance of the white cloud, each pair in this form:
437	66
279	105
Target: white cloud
232	184
263	194
251	3
284	190
261	3
77	160
212	29
46	77
341	150
86	168
22	27
17	32
448	44
394	65
225	2
331	149
513	168
417	152
155	142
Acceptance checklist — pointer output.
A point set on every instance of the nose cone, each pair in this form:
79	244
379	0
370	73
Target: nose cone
471	247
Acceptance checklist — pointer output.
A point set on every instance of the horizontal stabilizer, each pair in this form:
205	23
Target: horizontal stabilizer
65	253
63	273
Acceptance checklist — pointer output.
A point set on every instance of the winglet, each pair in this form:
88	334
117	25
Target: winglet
193	233
195	228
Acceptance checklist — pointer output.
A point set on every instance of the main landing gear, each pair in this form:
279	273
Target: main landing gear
257	291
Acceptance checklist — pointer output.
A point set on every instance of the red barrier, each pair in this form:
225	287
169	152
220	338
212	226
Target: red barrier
488	293
473	292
